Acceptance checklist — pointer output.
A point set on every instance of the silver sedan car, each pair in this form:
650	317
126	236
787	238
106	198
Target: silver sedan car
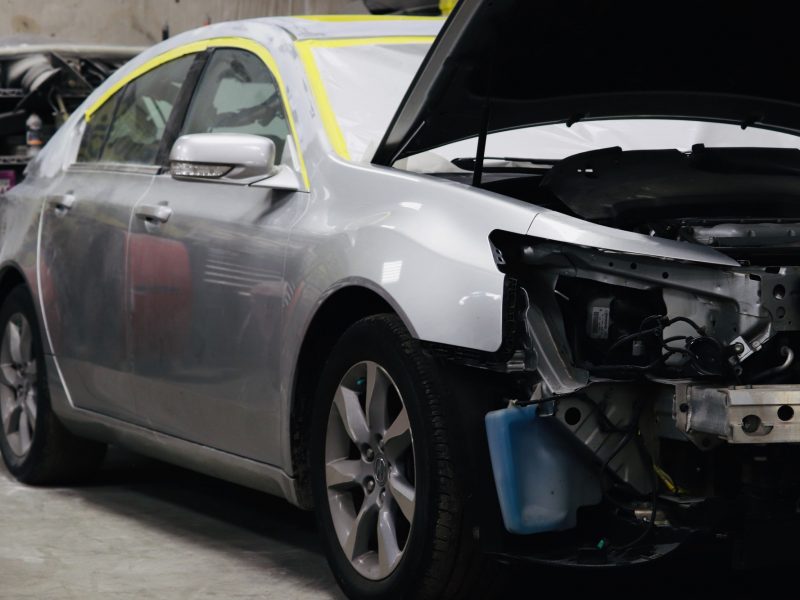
521	285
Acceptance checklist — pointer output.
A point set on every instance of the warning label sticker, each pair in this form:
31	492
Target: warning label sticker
599	322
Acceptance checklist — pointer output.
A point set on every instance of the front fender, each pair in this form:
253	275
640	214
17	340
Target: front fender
421	243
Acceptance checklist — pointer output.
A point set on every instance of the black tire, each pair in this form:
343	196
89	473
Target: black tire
55	454
440	554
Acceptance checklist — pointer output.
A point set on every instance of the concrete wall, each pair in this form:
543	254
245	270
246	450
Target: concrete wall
140	22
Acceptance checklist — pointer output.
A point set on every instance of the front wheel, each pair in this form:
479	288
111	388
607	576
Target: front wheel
36	447
389	502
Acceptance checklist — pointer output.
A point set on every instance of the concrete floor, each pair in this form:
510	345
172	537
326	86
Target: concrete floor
148	530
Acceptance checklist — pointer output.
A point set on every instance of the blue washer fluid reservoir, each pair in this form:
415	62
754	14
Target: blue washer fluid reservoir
542	476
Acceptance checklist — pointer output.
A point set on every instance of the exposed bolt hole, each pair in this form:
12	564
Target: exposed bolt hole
572	416
633	266
611	264
684	408
781	312
785	413
779	292
751	423
665	275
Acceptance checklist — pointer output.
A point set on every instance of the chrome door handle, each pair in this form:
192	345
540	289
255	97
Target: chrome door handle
61	203
153	213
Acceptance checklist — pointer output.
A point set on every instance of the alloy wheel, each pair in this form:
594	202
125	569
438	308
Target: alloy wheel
370	470
18	385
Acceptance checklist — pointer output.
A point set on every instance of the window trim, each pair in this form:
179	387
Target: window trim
115	167
189	80
200	47
182	102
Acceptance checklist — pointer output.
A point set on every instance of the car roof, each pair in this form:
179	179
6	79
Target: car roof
354	26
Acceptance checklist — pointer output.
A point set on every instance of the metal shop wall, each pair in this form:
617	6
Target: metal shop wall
140	22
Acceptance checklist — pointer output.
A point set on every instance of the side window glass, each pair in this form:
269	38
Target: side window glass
96	130
144	109
238	94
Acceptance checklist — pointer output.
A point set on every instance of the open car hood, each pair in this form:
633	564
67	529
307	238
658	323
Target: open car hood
518	63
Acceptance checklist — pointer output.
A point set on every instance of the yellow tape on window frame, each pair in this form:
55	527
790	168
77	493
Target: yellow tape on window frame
305	49
200	46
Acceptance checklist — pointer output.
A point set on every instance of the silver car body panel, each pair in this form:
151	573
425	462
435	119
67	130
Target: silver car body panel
214	390
551	225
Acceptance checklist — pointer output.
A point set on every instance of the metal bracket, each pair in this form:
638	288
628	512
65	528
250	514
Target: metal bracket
759	414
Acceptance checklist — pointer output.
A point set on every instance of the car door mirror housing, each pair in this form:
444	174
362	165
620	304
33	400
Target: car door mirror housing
237	158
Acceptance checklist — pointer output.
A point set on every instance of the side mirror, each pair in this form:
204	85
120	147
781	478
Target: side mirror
237	158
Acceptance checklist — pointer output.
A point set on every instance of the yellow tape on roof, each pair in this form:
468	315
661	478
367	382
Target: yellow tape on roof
305	48
200	46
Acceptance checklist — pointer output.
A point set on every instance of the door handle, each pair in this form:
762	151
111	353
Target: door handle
153	213
61	203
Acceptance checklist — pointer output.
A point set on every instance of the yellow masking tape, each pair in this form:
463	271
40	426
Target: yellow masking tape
305	49
447	6
200	46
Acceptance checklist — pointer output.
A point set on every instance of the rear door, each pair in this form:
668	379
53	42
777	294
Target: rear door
206	282
83	256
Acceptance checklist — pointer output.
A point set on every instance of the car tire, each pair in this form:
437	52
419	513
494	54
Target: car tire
357	474
37	449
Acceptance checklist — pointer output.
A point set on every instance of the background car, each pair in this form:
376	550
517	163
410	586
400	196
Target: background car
41	82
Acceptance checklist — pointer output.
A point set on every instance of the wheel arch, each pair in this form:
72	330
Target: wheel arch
10	277
334	315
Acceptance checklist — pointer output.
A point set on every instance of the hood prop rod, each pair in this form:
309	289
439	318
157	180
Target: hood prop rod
480	154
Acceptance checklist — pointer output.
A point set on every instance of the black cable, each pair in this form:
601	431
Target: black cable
676	338
642	368
651	317
633	336
694	325
654	510
685	351
658	329
788	355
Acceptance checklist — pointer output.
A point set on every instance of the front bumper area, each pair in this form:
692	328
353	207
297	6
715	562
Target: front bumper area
661	403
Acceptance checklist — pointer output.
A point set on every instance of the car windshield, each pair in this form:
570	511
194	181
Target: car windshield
363	82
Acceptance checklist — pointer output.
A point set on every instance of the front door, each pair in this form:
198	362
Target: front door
206	279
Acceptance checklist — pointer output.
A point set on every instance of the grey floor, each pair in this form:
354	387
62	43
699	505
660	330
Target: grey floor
144	529
147	530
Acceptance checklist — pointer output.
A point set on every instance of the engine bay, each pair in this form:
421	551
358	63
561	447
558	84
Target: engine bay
744	202
676	379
